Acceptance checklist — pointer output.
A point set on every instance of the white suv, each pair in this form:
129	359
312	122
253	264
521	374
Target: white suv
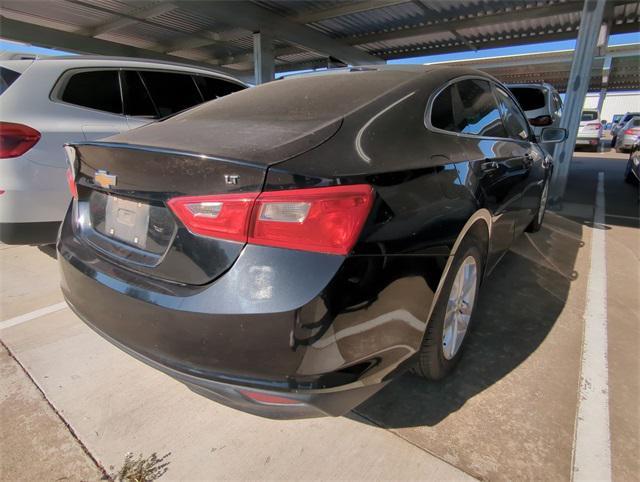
542	105
45	103
590	130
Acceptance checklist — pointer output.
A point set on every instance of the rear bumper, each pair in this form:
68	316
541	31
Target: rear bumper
274	324
626	142
302	403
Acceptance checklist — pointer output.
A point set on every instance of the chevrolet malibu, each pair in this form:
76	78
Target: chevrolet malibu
290	249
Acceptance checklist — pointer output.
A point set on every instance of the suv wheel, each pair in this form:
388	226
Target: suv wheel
443	341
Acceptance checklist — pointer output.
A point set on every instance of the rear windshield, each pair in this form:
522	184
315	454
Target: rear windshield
589	116
7	77
529	98
635	122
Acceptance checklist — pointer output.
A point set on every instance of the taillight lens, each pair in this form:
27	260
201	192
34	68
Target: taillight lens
224	216
16	139
632	132
327	220
71	182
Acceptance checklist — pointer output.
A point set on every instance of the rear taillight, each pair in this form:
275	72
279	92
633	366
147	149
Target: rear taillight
268	399
632	132
327	220
16	139
71	182
224	216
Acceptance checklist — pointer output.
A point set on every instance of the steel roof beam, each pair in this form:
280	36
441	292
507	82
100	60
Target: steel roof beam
72	42
348	8
498	17
125	20
255	18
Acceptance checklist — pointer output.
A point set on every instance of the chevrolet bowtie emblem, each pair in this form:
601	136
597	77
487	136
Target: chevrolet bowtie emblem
104	179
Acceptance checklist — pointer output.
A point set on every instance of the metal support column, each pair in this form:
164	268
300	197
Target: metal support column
579	78
606	69
263	60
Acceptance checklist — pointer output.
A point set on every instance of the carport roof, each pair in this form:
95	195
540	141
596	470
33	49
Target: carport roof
308	34
623	71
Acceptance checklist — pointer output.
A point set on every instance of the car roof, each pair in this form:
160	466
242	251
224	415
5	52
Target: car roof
109	61
417	69
16	65
539	86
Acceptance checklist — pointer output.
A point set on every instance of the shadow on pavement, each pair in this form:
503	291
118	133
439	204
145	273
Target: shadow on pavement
519	304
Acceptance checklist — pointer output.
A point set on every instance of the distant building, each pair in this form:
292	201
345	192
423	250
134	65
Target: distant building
614	103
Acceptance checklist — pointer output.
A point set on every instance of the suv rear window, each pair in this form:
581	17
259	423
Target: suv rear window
7	77
97	89
589	115
529	98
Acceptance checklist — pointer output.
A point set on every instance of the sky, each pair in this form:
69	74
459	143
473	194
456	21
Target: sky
620	39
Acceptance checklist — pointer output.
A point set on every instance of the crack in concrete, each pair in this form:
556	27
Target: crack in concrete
105	474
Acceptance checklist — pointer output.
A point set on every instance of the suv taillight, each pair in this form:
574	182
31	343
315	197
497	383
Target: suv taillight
633	131
326	219
16	139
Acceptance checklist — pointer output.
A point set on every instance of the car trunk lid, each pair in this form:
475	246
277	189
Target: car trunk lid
122	208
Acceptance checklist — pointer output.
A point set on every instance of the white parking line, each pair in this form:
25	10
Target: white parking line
592	443
32	315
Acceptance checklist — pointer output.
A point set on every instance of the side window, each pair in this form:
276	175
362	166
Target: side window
171	92
442	110
96	89
137	101
516	124
468	107
212	88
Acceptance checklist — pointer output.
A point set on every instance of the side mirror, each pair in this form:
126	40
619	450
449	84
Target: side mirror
541	121
553	135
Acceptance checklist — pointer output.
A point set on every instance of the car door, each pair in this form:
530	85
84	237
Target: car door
533	172
496	161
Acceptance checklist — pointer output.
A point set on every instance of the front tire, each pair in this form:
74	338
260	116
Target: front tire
442	344
628	175
536	223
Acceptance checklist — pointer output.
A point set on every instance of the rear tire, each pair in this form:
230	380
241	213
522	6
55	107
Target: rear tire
448	327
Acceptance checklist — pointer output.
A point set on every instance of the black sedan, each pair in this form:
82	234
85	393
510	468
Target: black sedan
289	249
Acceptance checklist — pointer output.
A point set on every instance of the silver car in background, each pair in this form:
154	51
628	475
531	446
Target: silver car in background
542	105
590	130
615	129
628	135
45	103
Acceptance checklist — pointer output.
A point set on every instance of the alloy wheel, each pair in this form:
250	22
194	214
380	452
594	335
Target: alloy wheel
459	307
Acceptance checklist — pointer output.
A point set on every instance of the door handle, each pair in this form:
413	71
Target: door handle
528	160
